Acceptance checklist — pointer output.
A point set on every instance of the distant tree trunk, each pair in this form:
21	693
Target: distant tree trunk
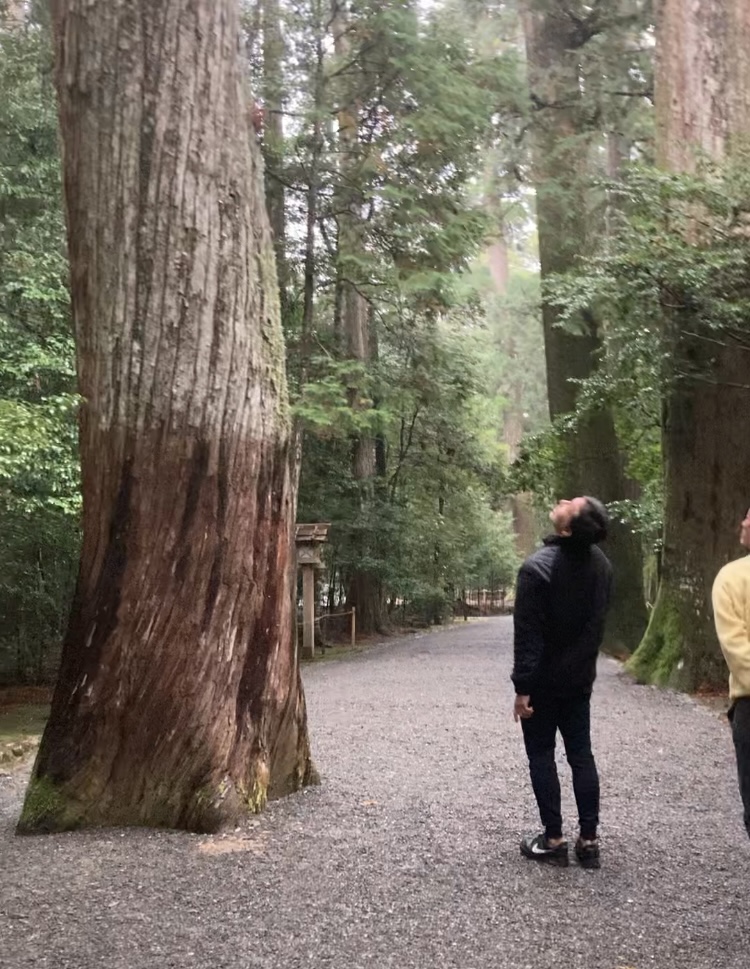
703	110
179	701
273	135
312	195
364	590
520	505
561	152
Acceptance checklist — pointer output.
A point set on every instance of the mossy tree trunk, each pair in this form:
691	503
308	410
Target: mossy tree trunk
179	701
703	111
561	149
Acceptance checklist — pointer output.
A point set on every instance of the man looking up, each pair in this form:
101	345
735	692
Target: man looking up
562	595
731	601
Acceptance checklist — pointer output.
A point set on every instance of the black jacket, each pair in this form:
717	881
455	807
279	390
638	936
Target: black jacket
562	596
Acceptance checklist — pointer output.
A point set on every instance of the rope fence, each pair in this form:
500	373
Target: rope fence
339	615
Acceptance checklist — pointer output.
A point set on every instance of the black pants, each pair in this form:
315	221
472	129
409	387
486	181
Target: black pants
740	717
572	717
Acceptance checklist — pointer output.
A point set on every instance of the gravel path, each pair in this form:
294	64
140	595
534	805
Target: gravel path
407	855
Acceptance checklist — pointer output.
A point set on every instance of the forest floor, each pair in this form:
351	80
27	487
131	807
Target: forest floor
407	854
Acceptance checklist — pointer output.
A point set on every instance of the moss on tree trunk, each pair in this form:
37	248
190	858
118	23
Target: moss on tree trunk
659	657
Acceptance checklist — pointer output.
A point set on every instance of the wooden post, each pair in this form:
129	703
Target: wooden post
308	611
354	625
308	539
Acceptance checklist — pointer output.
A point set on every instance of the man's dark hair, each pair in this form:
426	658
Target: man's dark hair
590	526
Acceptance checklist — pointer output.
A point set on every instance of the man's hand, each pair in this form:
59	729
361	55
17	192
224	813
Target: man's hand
522	708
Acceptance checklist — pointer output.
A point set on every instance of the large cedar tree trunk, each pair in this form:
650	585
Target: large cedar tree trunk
561	155
179	701
703	108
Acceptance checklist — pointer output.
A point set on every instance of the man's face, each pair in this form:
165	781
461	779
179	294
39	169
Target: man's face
569	508
745	530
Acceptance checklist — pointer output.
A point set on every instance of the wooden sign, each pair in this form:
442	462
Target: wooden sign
308	555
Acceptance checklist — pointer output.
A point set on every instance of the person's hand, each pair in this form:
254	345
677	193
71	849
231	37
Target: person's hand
522	708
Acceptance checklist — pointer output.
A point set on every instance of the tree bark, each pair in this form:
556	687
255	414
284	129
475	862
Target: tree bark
703	111
179	701
561	152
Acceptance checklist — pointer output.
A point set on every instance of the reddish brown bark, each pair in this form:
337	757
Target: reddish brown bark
179	701
703	112
702	80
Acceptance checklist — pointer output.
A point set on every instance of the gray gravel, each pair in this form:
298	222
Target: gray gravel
407	855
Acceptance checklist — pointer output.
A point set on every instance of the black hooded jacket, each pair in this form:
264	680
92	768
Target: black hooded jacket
562	595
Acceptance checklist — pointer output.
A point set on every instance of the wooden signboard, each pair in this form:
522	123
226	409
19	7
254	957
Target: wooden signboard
308	539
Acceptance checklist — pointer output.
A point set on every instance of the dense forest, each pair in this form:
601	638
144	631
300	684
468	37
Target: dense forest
511	262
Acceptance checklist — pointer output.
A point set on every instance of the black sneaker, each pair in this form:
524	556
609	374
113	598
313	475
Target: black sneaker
535	846
587	853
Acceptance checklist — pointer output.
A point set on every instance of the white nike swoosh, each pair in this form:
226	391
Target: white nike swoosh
536	850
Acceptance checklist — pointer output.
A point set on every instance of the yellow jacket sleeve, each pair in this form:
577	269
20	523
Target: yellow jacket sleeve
731	628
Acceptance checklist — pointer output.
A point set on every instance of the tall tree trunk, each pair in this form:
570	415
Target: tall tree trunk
273	135
364	591
520	505
703	110
179	701
313	189
561	152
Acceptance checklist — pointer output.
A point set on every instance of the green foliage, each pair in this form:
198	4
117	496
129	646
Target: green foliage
39	475
398	214
338	402
675	268
428	528
538	465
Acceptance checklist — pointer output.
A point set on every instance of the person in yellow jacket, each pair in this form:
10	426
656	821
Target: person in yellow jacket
731	602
